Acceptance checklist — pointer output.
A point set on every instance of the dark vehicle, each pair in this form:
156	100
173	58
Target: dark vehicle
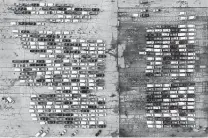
85	110
67	64
25	31
44	118
76	68
100	75
95	9
58	102
68	122
66	84
19	61
98	133
68	126
67	102
67	44
42	103
27	69
66	40
66	91
144	2
84	88
62	8
93	60
68	114
102	56
86	9
92	106
102	126
76	95
101	102
68	12
60	56
51	43
85	91
78	9
51	114
59	114
43	95
59	122
40	61
92	126
144	15
69	119
92	72
35	4
51	122
75	52
85	56
74	134
75	80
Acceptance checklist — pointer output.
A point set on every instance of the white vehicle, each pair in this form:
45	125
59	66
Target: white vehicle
42	4
13	23
99	41
69	16
150	30
191	38
191	34
183	38
34	12
9	100
165	34
61	16
31	110
76	20
150	42
42	12
45	133
182	26
48	106
166	30
135	15
192	17
183	18
191	26
156	10
40	23
182	13
181	34
34	118
39	133
49	103
50	4
191	30
15	31
57	106
158	30
183	30
191	41
29	8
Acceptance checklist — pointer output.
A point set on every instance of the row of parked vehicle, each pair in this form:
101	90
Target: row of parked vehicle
52	8
27	23
170	53
170	58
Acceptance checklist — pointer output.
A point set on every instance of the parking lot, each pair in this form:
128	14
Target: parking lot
18	48
131	34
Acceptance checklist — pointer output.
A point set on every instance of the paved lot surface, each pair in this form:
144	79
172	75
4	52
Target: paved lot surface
15	120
